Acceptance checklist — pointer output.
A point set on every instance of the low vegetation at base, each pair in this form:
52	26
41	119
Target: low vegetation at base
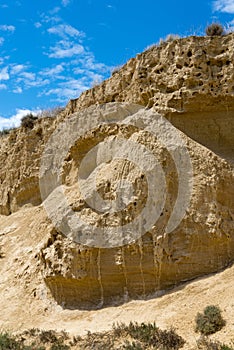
210	321
149	335
135	336
33	340
206	344
122	337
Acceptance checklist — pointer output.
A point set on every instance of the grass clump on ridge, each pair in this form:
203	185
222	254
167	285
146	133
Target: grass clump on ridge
215	29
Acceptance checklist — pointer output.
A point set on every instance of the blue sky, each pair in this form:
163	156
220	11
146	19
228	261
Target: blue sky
52	50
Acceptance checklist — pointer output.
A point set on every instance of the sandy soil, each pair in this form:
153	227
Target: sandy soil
25	301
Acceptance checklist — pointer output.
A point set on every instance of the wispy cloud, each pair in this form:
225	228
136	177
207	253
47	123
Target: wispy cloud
66	2
3	87
4	74
86	73
230	26
15	120
28	80
69	89
17	68
68	47
224	6
45	18
55	10
65	30
18	90
7	28
52	72
70	69
65	49
1	40
37	24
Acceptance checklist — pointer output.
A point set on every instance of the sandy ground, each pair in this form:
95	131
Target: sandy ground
25	301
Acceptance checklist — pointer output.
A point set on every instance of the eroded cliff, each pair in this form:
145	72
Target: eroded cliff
190	82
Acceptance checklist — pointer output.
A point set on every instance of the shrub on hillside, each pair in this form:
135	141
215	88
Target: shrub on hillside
149	335
210	321
28	120
215	29
10	342
5	132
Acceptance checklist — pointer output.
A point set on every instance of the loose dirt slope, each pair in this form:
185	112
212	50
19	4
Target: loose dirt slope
26	303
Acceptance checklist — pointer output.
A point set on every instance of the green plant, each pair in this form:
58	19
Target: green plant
7	342
150	335
10	342
60	346
215	29
206	344
210	321
132	346
28	120
48	337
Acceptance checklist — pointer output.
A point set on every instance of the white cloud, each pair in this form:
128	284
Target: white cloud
67	90
53	71
55	10
24	79
65	30
28	75
76	69
49	19
64	49
88	62
7	28
1	40
15	120
17	68
18	90
29	80
37	25
3	86
230	26
224	6
4	74
66	2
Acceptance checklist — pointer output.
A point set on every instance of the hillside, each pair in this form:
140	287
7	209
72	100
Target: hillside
173	103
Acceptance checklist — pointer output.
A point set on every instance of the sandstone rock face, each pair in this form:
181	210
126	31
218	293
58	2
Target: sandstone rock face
20	155
186	75
190	82
203	242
